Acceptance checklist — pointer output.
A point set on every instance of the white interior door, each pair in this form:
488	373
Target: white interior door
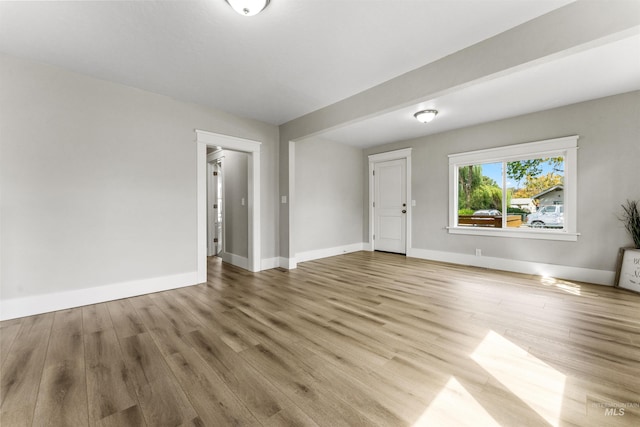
390	206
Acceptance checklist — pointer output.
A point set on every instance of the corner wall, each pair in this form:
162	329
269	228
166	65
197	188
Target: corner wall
328	200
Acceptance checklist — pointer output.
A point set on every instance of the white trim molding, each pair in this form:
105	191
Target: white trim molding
580	274
269	263
515	151
404	153
328	252
288	263
252	148
237	260
229	142
526	233
390	155
44	303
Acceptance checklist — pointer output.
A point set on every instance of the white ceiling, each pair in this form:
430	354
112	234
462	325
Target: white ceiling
301	55
294	58
601	71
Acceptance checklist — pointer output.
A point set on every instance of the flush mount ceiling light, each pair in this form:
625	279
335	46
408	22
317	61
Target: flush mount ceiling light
248	7
425	116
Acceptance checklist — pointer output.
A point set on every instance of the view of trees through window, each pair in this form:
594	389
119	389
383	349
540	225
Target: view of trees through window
528	186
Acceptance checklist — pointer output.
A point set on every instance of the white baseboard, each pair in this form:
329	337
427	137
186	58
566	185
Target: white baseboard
579	274
288	263
237	260
44	303
269	263
327	252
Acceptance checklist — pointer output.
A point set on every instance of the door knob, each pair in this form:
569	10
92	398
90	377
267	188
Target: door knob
404	211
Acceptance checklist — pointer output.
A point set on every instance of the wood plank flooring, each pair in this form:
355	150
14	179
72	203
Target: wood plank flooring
364	339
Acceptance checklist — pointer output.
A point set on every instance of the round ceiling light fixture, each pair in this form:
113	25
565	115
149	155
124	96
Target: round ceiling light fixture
425	116
248	7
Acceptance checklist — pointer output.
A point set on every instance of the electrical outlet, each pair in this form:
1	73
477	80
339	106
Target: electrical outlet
478	252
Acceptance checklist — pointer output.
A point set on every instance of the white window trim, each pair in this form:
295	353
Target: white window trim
565	146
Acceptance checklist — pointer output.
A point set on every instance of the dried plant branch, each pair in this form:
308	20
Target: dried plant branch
631	219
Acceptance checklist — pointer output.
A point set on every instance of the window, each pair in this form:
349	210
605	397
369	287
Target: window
524	190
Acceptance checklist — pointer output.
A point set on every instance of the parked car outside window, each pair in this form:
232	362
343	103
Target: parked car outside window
551	216
489	212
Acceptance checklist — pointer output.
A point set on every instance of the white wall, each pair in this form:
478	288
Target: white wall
236	230
99	182
329	197
608	174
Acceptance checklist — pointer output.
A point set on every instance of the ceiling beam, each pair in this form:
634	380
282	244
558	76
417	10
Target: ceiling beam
569	29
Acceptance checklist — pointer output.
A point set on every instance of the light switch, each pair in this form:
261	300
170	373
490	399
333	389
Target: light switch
283	199
242	201
413	203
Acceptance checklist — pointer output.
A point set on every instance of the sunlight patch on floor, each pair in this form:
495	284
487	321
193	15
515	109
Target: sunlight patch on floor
563	285
454	406
536	383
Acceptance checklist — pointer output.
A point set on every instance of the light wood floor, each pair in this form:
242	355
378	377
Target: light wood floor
364	339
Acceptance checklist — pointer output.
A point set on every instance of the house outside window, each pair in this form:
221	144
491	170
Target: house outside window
550	196
523	190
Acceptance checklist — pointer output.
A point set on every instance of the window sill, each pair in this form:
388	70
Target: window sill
519	233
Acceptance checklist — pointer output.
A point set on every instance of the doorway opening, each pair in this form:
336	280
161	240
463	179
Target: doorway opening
206	139
227	206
